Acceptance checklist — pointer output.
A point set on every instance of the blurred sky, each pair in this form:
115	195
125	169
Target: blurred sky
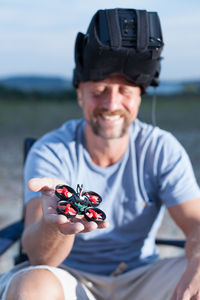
37	36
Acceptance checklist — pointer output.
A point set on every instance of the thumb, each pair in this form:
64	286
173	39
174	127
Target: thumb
43	184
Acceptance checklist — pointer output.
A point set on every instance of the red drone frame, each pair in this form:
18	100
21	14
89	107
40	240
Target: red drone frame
71	203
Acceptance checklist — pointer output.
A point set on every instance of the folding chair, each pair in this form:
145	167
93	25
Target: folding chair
10	234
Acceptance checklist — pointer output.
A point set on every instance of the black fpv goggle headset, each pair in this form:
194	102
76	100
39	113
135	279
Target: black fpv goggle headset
120	41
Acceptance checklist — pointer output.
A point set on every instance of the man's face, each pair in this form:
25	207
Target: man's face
109	106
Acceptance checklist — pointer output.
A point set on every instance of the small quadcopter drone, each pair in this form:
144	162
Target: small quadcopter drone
71	203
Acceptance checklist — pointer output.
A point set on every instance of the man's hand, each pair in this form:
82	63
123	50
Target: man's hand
49	202
188	287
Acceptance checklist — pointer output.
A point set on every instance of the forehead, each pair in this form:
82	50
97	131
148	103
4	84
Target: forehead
111	80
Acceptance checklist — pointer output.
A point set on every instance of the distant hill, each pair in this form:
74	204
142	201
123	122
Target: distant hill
176	87
37	83
58	84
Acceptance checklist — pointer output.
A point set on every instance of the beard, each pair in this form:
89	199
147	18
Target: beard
110	132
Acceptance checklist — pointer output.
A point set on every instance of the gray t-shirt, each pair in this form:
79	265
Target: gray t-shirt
155	170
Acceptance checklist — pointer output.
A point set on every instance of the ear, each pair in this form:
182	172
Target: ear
79	96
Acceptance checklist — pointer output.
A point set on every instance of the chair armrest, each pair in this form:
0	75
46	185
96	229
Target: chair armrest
167	242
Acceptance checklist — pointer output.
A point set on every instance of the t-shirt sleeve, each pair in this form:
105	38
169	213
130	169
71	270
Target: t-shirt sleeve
54	155
42	161
176	179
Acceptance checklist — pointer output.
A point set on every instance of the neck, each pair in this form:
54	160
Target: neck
105	152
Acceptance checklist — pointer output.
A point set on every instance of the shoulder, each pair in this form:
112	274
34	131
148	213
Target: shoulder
147	135
158	149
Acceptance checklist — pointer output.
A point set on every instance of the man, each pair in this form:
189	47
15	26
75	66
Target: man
135	167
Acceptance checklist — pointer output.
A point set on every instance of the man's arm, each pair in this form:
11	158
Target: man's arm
187	217
48	237
42	241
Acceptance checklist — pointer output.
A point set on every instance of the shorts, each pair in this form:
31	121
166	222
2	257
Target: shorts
155	281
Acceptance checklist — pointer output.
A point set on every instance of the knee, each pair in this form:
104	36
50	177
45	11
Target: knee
40	284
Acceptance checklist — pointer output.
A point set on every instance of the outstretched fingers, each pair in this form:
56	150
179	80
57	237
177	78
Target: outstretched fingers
44	184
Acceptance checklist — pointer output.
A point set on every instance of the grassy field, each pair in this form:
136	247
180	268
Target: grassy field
20	119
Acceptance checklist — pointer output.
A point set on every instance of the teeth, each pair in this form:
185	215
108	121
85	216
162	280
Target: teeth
112	118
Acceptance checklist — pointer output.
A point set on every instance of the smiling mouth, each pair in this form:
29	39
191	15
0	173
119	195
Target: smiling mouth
110	117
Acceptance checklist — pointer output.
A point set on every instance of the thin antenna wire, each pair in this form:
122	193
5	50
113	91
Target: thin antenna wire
79	189
153	109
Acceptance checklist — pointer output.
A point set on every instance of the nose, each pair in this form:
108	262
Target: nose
112	99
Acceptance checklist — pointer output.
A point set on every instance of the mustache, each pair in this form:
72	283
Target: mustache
118	112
